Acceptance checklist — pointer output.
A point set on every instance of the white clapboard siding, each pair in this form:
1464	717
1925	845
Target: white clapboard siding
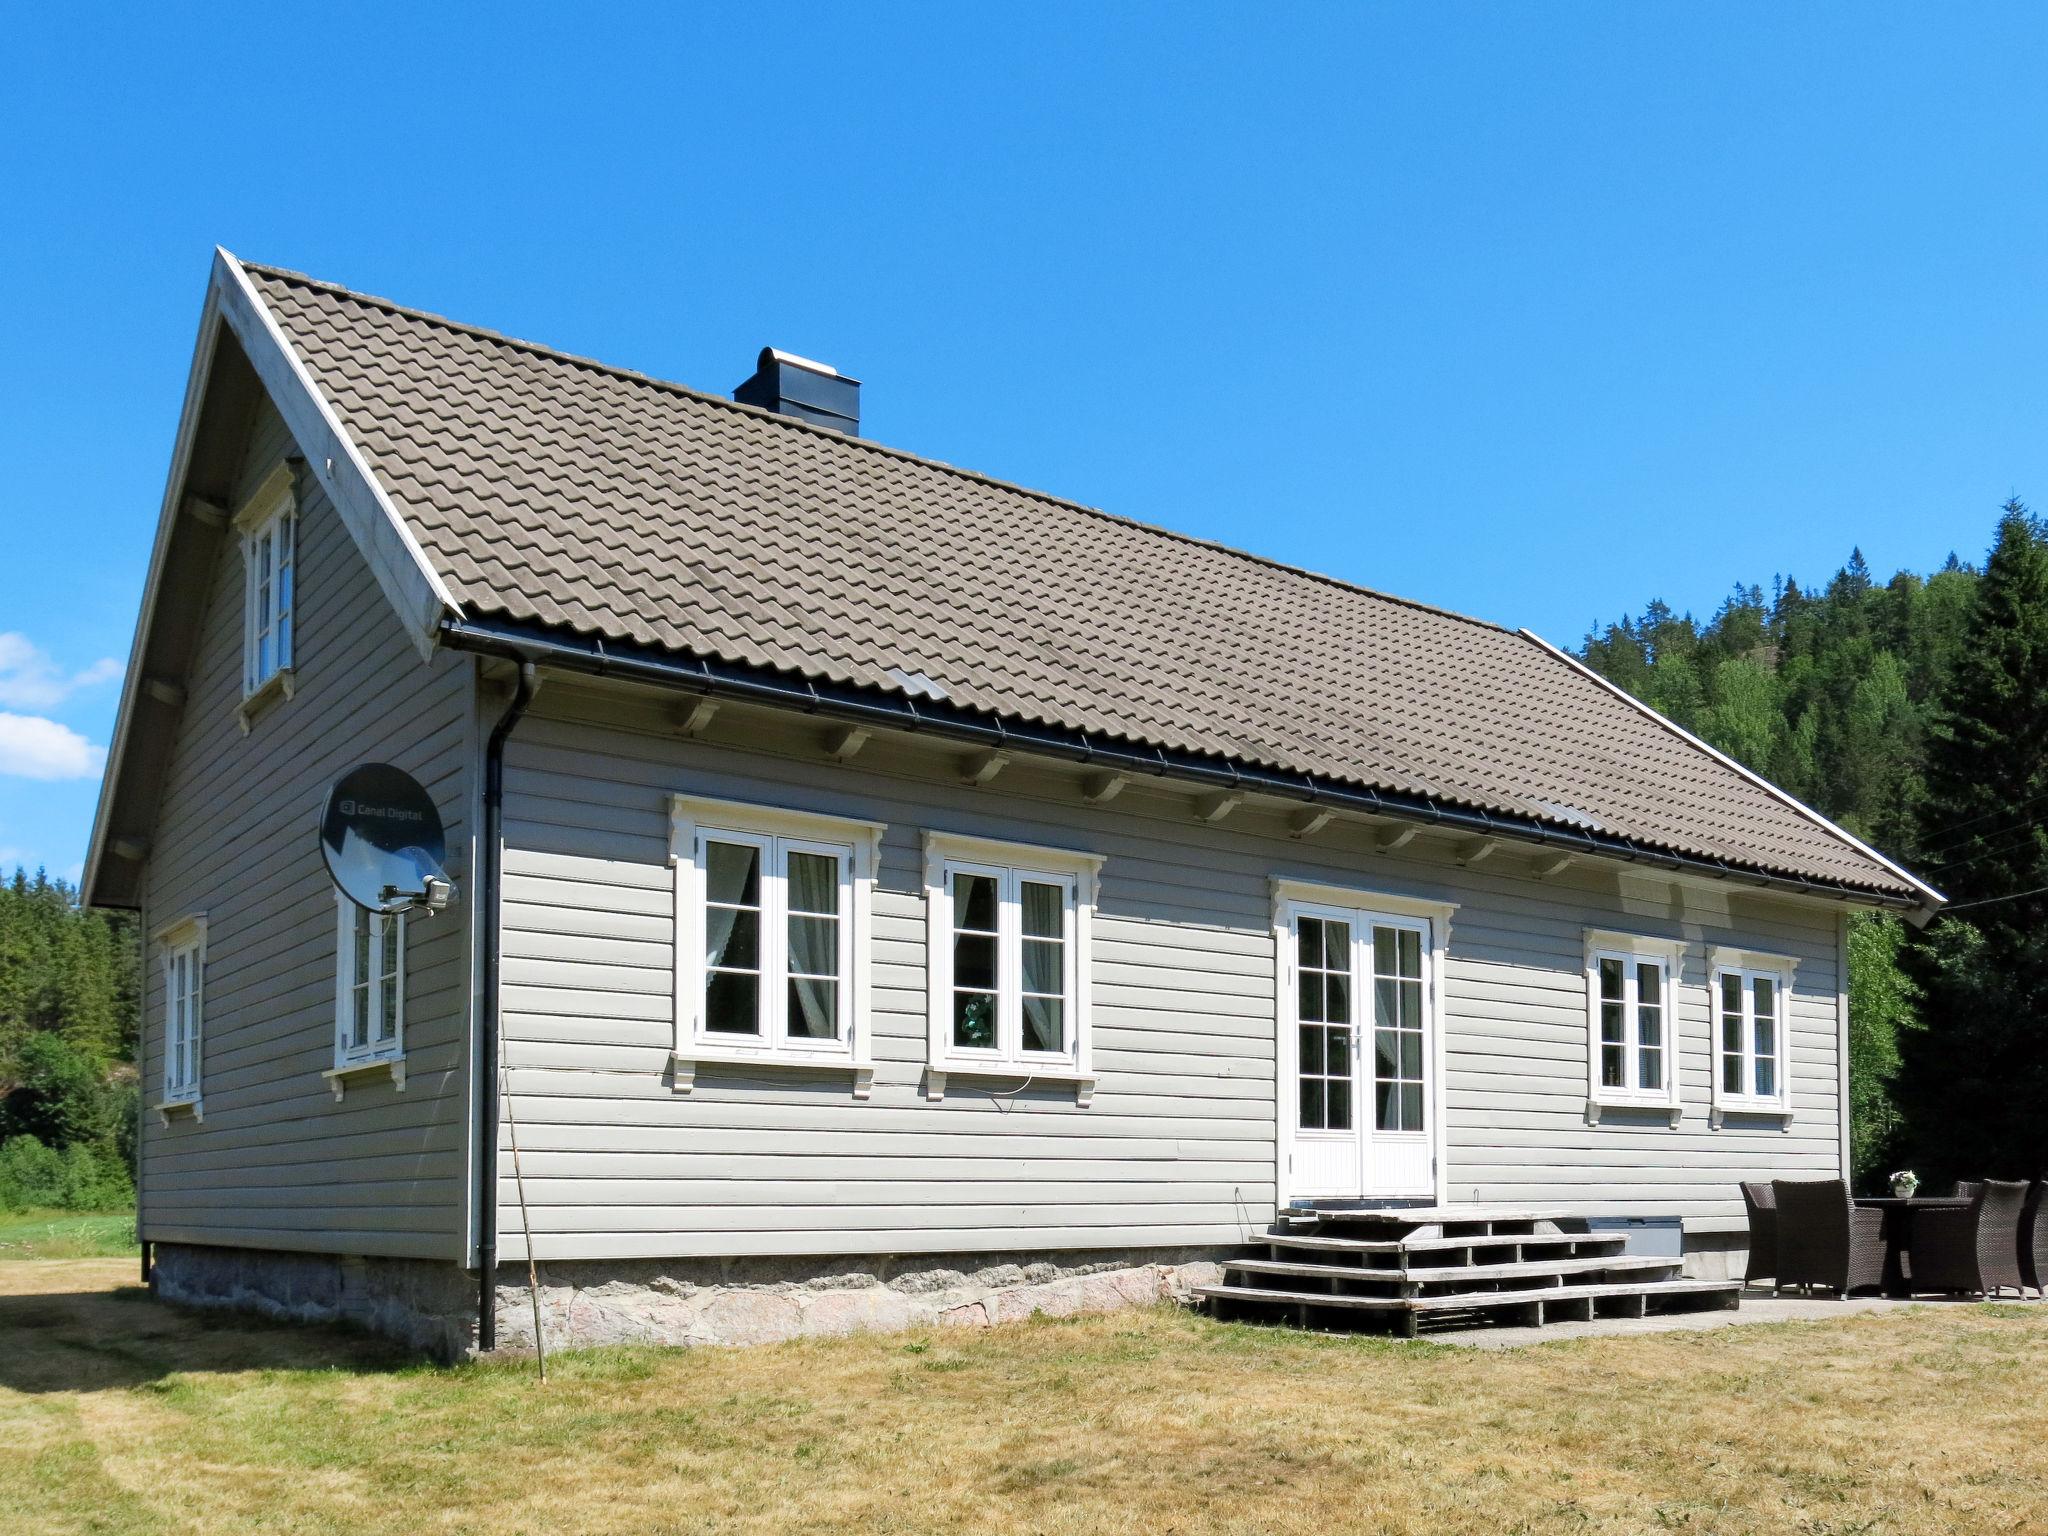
277	1162
1180	1143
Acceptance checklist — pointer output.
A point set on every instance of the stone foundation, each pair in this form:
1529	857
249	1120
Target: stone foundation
431	1306
758	1301
421	1303
1716	1255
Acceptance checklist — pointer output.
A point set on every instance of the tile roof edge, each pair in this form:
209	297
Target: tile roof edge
980	477
1927	892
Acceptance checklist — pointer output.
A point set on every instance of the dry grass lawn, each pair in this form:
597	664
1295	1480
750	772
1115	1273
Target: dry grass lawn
117	1414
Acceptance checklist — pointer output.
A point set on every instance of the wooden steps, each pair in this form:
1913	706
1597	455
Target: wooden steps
1452	1265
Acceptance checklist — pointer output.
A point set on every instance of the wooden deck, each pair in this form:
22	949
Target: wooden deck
1452	1265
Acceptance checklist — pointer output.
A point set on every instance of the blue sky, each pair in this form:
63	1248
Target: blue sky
1535	312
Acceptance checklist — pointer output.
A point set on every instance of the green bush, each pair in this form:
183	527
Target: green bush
79	1178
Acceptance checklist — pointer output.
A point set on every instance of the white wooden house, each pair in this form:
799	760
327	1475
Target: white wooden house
909	894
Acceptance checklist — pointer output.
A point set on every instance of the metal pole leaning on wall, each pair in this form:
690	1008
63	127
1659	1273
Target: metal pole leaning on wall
540	1348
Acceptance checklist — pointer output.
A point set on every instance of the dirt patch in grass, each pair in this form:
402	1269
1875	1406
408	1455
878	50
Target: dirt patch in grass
116	1413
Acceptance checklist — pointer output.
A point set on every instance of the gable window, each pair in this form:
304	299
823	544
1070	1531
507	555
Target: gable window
183	967
269	524
1008	934
1751	994
773	914
1632	1036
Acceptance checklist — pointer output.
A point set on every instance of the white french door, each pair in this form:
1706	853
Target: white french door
1361	1055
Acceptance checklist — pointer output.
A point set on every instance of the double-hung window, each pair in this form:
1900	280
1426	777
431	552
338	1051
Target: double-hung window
269	524
370	993
1632	1033
773	916
1008	940
183	963
1751	997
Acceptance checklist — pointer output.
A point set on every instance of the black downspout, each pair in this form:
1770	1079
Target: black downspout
486	910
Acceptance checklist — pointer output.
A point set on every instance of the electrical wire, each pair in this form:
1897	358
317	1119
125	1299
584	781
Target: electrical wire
1992	901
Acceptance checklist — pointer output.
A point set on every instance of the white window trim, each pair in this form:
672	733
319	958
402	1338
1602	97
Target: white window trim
691	817
1632	949
378	1058
1726	959
946	851
1291	894
275	500
182	936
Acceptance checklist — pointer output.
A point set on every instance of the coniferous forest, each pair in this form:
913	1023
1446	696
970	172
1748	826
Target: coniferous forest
1915	713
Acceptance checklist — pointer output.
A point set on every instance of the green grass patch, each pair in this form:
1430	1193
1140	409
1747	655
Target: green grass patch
66	1235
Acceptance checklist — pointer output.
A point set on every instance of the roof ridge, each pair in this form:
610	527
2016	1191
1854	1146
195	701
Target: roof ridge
633	375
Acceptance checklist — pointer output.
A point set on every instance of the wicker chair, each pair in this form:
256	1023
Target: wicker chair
2034	1238
1825	1239
1762	1205
1968	1189
1973	1248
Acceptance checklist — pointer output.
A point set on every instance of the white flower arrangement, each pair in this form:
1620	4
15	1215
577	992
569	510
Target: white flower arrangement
1904	1182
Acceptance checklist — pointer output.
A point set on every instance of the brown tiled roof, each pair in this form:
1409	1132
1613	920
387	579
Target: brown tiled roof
551	489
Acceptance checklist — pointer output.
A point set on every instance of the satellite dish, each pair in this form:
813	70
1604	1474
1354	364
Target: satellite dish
382	839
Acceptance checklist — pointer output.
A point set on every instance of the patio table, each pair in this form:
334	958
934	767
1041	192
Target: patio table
1898	1234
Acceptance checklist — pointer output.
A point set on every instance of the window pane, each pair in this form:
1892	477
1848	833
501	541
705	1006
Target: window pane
1731	1031
1411	1106
1610	979
1611	1024
1311	1050
1411	954
1386	1002
1311	990
387	1017
1337	998
1337	1096
1045	966
1045	908
974	1019
1384	958
813	883
1386	1050
284	640
1649	1027
1650	984
732	937
1387	1107
1411	1055
1731	993
974	902
1338	1052
732	874
1312	1104
1612	1071
1766	997
732	1003
359	1015
974	961
1650	1070
1309	943
1411	1005
1045	1027
1766	1076
813	1009
1731	1074
813	946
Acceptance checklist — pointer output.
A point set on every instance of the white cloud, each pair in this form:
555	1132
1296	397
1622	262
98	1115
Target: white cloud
30	679
34	748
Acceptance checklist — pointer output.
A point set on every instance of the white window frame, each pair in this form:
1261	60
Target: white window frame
694	820
377	1056
1750	965
183	940
1078	875
1632	950
269	521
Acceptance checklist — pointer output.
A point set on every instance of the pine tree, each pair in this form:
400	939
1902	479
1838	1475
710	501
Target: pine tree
1974	1080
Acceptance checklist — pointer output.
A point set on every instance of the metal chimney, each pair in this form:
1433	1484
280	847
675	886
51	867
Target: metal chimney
796	386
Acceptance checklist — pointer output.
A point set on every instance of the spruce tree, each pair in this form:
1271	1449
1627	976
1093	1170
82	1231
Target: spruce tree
1974	1080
